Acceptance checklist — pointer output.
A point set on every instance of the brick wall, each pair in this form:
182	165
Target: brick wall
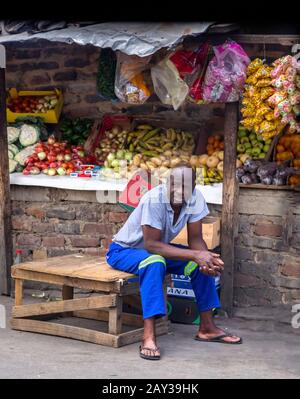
267	250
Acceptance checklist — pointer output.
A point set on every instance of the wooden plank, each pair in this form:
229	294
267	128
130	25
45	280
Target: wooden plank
128	319
115	317
229	207
77	265
18	292
62	280
64	306
60	330
265	186
6	246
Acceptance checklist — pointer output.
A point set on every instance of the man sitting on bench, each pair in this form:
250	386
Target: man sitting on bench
142	247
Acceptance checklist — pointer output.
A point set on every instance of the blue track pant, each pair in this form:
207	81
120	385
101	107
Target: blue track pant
152	268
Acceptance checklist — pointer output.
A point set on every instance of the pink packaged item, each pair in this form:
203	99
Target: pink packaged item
226	73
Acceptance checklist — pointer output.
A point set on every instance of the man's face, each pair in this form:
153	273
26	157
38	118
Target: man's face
181	184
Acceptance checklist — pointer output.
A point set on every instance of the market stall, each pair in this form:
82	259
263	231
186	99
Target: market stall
214	156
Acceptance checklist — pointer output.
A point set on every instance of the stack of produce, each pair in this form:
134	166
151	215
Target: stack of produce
209	169
76	131
214	143
258	114
253	172
252	144
288	149
21	138
286	100
150	141
55	158
32	104
112	141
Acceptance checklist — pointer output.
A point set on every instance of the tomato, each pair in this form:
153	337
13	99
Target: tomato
53	164
51	158
68	151
64	165
70	171
26	171
70	164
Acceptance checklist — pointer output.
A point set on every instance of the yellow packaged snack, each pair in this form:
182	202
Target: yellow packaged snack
269	116
254	65
262	72
266	92
262	110
249	111
266	126
251	79
263	82
247	122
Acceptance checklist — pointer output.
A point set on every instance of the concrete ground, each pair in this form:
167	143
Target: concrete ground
264	354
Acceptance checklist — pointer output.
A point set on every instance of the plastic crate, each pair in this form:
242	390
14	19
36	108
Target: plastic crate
51	116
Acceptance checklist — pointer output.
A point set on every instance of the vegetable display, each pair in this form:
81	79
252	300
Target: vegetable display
252	144
106	74
32	104
76	131
113	140
55	158
268	173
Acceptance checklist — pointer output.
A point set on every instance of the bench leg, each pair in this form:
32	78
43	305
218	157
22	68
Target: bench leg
18	292
67	293
115	317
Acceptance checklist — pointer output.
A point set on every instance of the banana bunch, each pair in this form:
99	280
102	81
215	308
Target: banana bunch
152	142
205	175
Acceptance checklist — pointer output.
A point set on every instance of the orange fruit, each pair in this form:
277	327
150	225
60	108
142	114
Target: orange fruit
280	148
211	140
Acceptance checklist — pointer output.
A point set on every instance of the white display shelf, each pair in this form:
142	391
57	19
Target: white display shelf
211	193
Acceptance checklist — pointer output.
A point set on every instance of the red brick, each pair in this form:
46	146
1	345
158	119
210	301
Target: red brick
84	241
50	242
246	280
117	217
21	224
97	228
36	212
29	240
268	229
291	270
42	228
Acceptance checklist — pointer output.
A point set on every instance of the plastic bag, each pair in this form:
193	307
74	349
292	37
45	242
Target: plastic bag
130	81
226	73
175	75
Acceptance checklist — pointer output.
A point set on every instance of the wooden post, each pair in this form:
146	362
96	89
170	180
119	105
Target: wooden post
229	205
6	255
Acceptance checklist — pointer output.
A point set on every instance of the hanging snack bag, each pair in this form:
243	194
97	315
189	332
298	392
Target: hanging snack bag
226	73
131	76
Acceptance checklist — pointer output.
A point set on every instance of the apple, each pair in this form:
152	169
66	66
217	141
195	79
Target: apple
67	157
80	153
51	172
60	157
42	155
61	171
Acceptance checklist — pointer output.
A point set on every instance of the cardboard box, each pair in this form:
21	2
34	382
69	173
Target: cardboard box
211	226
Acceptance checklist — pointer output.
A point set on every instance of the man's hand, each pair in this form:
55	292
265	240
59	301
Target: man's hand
210	263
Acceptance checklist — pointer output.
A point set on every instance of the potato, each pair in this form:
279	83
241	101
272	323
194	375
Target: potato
174	162
156	161
137	159
166	163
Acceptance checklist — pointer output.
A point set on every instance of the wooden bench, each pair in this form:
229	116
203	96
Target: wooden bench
84	272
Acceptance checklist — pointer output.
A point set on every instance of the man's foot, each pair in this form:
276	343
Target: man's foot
217	332
149	350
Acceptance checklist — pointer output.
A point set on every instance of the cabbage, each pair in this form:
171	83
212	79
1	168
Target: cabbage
13	148
10	155
12	165
29	135
24	154
13	134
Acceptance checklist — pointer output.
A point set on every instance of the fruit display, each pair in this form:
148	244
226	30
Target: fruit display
209	168
251	144
76	131
258	114
21	137
55	158
112	141
269	173
32	104
214	143
288	148
152	141
286	99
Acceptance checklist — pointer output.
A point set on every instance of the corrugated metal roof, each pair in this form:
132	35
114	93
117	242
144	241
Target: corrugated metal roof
132	38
